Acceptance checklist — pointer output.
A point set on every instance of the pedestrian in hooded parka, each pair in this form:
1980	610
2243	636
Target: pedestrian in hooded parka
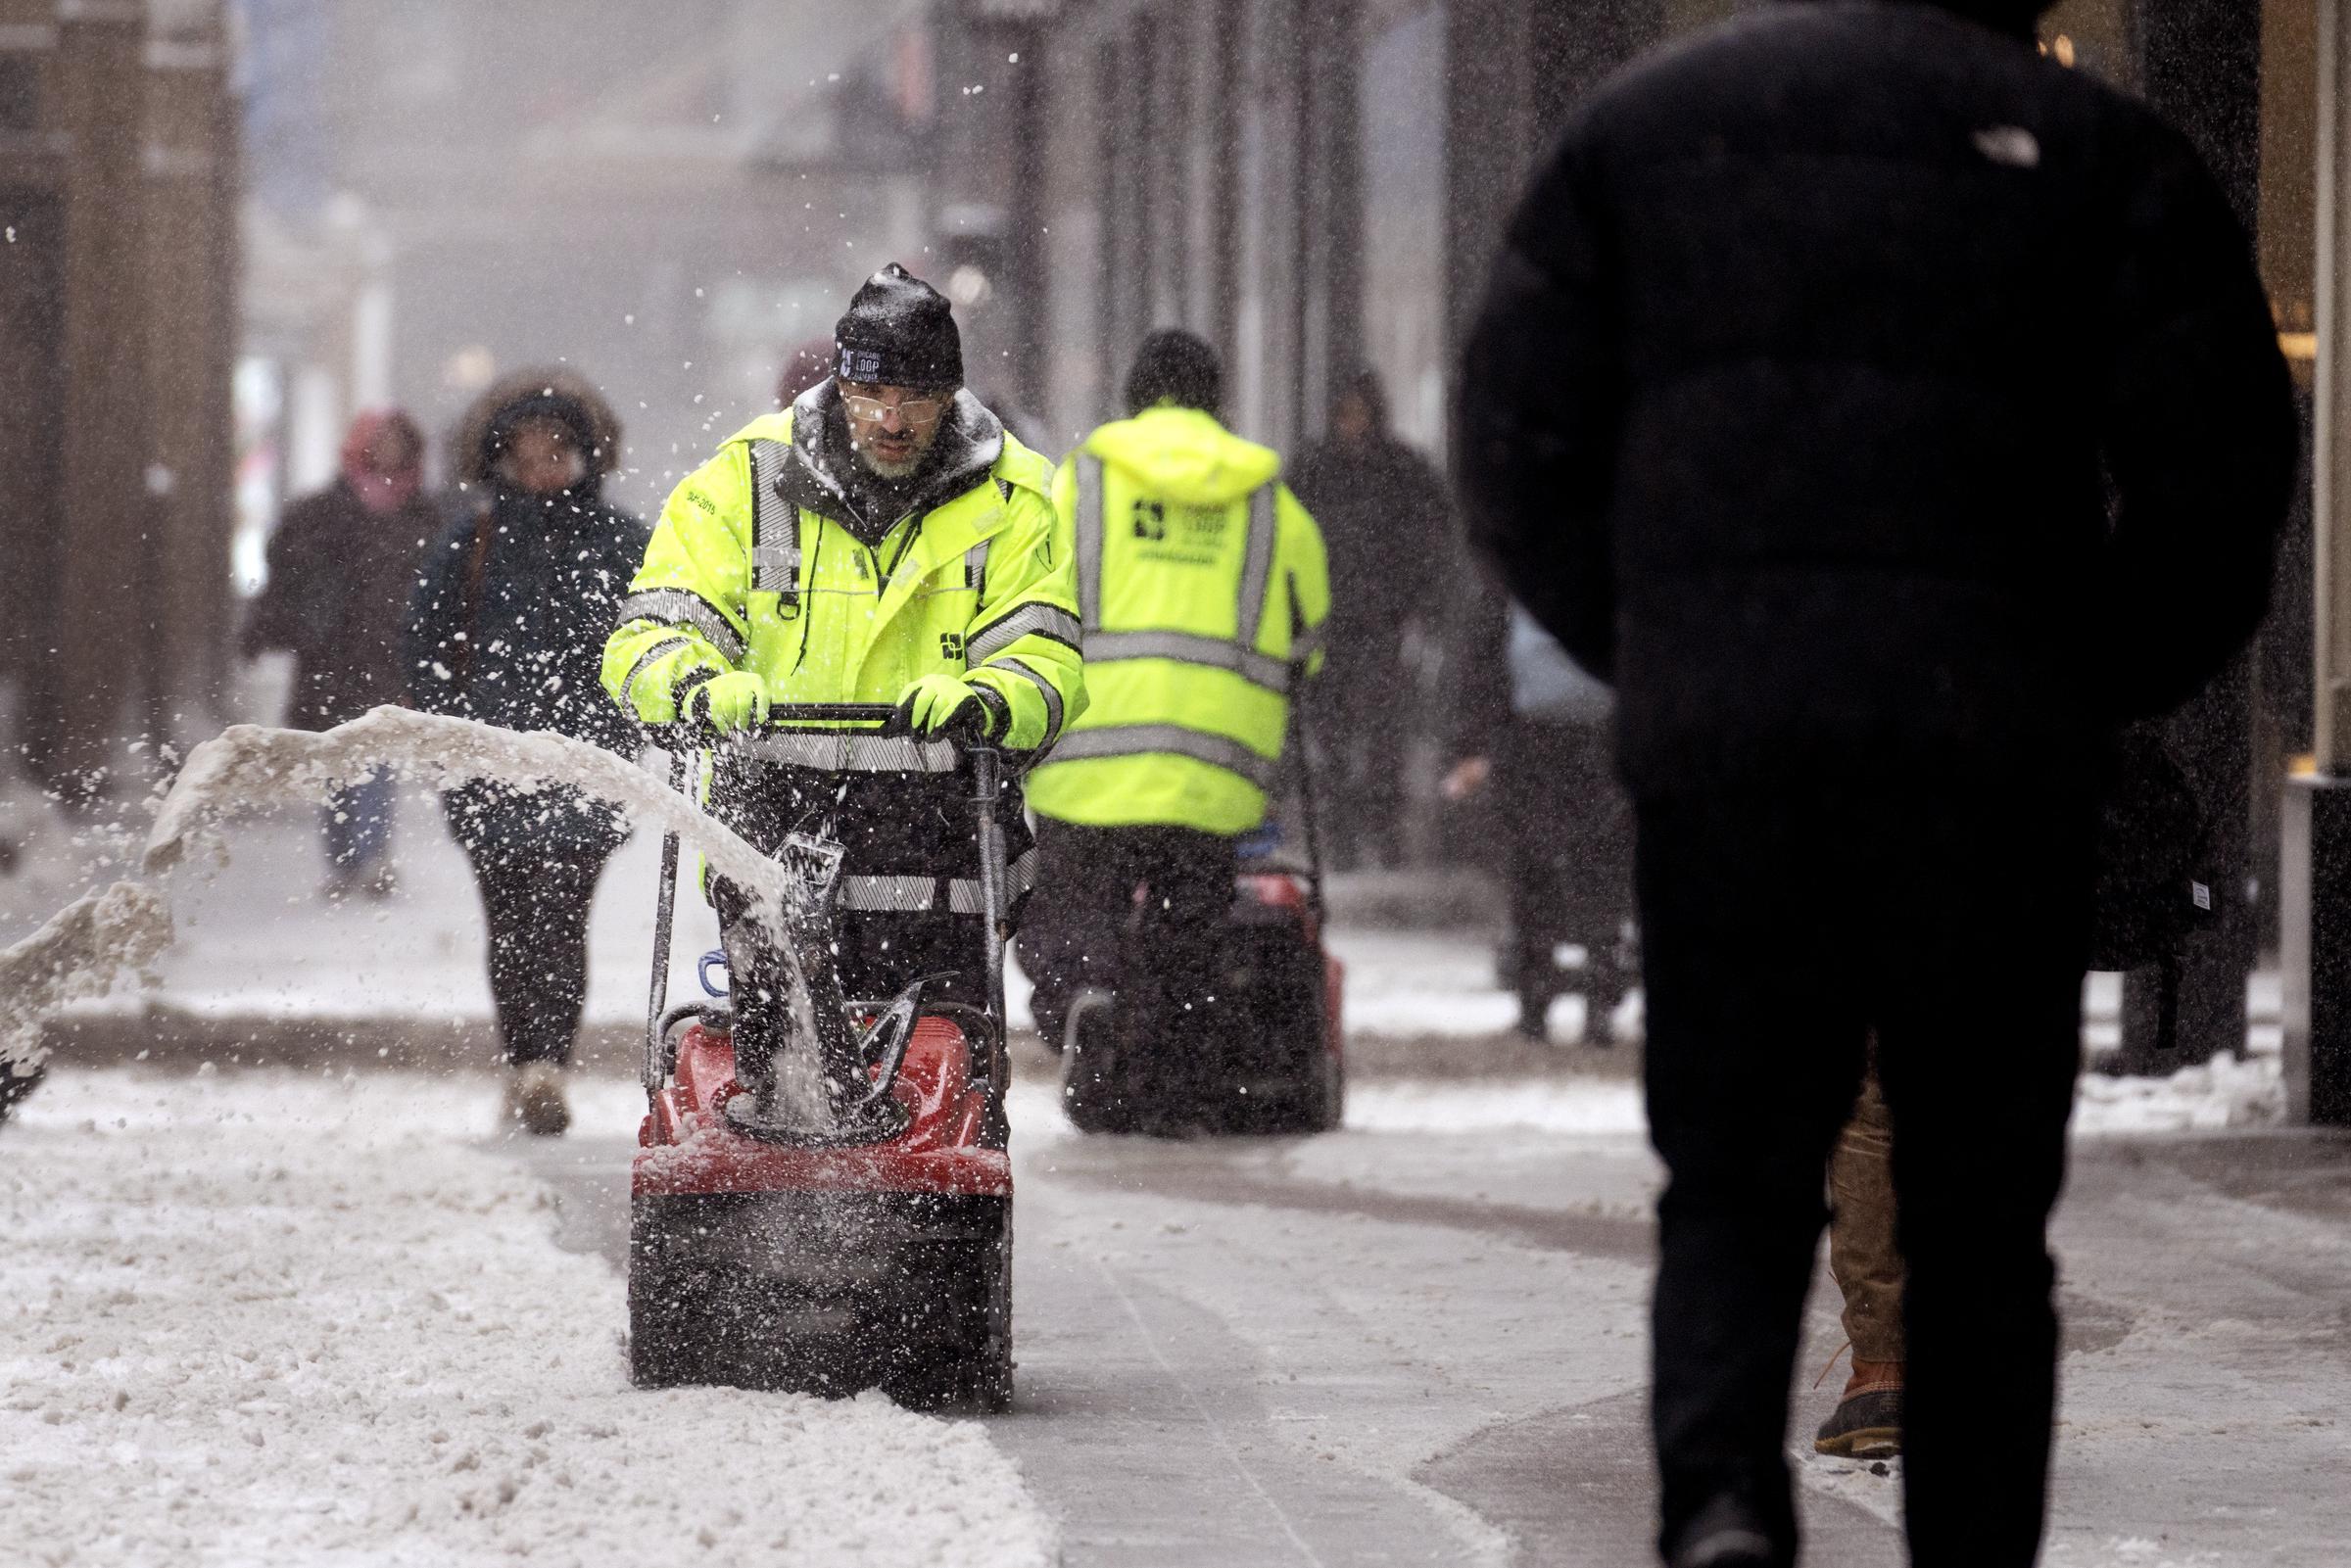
883	540
1816	351
507	626
1204	593
343	567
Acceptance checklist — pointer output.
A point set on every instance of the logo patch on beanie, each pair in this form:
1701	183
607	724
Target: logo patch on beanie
860	364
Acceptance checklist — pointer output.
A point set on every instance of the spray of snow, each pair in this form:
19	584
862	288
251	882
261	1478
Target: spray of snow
81	952
265	1317
248	767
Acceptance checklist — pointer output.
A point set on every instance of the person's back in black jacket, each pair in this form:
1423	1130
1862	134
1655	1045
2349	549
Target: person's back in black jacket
1887	411
1789	405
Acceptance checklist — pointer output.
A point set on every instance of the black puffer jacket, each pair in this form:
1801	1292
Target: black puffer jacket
1860	388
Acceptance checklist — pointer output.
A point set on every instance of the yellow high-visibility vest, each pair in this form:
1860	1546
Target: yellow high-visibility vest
1202	587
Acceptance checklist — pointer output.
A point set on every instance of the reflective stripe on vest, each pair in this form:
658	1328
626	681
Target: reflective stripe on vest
840	752
1052	620
1089	540
682	606
1259	668
667	645
1050	692
775	524
910	895
1132	739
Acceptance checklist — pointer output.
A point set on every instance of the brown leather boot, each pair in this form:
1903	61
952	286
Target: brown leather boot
1867	1423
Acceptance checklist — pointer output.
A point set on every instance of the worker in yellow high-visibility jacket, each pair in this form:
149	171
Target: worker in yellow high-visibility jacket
1202	587
883	540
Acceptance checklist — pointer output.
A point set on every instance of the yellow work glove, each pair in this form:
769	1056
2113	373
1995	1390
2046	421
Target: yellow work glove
734	700
934	703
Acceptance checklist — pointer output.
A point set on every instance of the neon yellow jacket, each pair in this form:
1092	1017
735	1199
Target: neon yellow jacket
1203	589
974	582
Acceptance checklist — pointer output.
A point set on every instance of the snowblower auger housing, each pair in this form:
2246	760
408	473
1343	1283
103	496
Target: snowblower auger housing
870	1250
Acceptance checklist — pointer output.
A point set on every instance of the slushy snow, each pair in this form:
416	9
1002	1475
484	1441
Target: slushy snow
265	1317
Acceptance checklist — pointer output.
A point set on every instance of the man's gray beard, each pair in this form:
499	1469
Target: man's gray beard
892	472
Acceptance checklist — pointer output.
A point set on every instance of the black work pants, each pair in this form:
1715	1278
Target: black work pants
1087	930
536	897
1570	844
1778	928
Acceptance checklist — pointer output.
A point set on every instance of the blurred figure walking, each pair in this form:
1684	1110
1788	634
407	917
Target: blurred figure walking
1387	523
1793	409
508	627
1539	731
342	568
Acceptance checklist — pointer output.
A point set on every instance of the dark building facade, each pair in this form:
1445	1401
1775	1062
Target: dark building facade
118	311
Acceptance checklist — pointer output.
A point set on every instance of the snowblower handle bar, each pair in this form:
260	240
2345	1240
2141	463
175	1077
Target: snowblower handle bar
878	719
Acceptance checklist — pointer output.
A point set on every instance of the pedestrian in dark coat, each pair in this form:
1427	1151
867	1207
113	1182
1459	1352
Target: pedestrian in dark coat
1541	732
343	566
508	627
1792	410
1387	524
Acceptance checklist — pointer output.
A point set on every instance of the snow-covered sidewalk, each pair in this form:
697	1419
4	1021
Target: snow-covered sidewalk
262	1317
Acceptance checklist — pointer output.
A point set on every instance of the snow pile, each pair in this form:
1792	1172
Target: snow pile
82	950
2216	1095
271	1318
1572	1104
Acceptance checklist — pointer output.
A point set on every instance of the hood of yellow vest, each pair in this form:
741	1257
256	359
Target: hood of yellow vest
1184	454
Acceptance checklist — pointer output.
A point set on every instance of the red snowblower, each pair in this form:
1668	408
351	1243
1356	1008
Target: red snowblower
858	1236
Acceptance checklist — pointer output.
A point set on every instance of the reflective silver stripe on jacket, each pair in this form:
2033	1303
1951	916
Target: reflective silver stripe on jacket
628	685
842	752
775	568
1090	540
974	569
1305	646
910	895
774	523
1135	739
681	606
1050	619
1259	668
1257	569
1052	696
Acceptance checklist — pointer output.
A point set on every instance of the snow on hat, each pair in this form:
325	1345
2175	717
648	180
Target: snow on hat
899	332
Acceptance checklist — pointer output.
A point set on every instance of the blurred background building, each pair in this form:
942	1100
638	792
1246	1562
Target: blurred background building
118	176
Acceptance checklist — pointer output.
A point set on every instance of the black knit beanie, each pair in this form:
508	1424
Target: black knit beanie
1174	367
899	332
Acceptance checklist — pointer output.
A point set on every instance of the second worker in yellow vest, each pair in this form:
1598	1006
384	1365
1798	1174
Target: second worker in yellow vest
1203	589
